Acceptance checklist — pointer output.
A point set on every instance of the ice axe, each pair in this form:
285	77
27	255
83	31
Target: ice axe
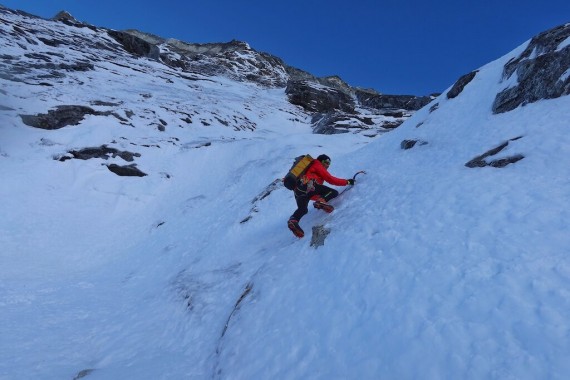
354	178
357	173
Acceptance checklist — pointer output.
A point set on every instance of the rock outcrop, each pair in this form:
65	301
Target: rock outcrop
460	85
482	160
314	97
542	71
135	45
372	99
61	116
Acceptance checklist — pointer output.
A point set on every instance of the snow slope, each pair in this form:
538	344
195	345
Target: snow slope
431	269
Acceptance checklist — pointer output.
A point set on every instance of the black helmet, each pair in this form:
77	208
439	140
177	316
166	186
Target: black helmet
324	159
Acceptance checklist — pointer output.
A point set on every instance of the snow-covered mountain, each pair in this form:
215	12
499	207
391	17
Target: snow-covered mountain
143	231
52	55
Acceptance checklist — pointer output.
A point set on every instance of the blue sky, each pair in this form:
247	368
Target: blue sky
396	47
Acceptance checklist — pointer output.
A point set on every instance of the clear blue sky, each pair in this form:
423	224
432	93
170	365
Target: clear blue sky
394	46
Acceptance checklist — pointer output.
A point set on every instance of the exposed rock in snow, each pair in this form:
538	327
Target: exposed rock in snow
541	71
317	98
61	117
480	161
460	84
126	170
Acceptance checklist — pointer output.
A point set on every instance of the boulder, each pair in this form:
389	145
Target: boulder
126	170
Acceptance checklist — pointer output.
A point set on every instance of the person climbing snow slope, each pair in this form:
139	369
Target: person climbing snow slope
310	187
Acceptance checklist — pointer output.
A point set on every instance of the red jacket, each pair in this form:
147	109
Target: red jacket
319	173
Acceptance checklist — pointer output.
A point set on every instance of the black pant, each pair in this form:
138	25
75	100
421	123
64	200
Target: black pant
303	198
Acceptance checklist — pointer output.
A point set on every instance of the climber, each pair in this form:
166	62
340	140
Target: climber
310	187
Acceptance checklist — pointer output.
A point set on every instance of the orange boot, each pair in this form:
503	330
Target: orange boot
295	228
321	204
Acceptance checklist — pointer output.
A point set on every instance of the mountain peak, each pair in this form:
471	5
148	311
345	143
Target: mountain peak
64	16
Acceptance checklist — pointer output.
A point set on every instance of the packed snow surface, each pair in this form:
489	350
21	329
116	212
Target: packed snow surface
432	270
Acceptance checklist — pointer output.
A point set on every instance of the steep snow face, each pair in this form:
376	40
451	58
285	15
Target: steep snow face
432	269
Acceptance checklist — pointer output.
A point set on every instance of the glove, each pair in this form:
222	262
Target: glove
350	182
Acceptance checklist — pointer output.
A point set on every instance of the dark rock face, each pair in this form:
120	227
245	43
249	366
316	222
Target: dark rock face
333	104
62	116
541	69
481	161
460	84
315	98
401	102
135	45
335	122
